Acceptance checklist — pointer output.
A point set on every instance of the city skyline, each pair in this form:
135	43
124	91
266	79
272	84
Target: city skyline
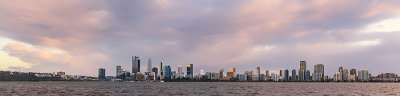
78	37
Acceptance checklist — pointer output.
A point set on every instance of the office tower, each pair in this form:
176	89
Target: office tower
250	75
337	77
135	64
221	74
301	75
231	75
345	74
258	74
162	68
167	72
232	70
353	72
307	75
280	73
274	77
149	65
267	76
286	75
341	73
363	76
155	70
180	73
102	74
294	75
119	70
303	65
318	72
189	71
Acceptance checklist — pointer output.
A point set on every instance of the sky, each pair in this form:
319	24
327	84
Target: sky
81	36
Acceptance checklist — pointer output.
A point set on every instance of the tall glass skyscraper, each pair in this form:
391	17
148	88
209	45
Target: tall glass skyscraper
135	64
286	75
294	75
102	74
167	72
189	71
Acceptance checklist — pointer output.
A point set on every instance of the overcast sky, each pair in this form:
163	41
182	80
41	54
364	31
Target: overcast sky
80	36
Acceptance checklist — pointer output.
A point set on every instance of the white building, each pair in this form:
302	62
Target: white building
363	75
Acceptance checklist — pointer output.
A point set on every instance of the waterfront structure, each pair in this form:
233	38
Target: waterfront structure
345	74
353	72
119	70
162	69
318	72
286	75
258	74
221	74
102	74
341	73
388	77
337	77
294	75
274	77
135	64
180	73
60	73
307	75
155	70
149	65
301	75
189	71
363	75
242	77
351	78
249	75
167	72
267	76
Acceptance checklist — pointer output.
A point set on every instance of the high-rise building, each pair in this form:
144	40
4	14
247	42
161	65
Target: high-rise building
221	74
162	68
258	74
363	75
267	76
149	65
286	75
250	75
345	74
318	72
189	71
135	64
307	75
280	73
301	75
341	73
294	75
303	65
167	72
60	73
353	72
155	70
180	73
102	74
232	70
337	77
119	70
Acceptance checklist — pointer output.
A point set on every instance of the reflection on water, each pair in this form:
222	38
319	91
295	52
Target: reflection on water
196	88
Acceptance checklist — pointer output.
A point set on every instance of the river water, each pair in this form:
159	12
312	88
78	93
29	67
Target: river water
195	88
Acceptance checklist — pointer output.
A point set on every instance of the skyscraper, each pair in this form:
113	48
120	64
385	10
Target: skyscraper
221	74
258	74
167	72
162	69
303	65
149	65
135	64
353	72
318	72
301	75
155	70
363	75
232	70
119	70
341	73
102	74
307	75
294	75
180	73
286	75
189	71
